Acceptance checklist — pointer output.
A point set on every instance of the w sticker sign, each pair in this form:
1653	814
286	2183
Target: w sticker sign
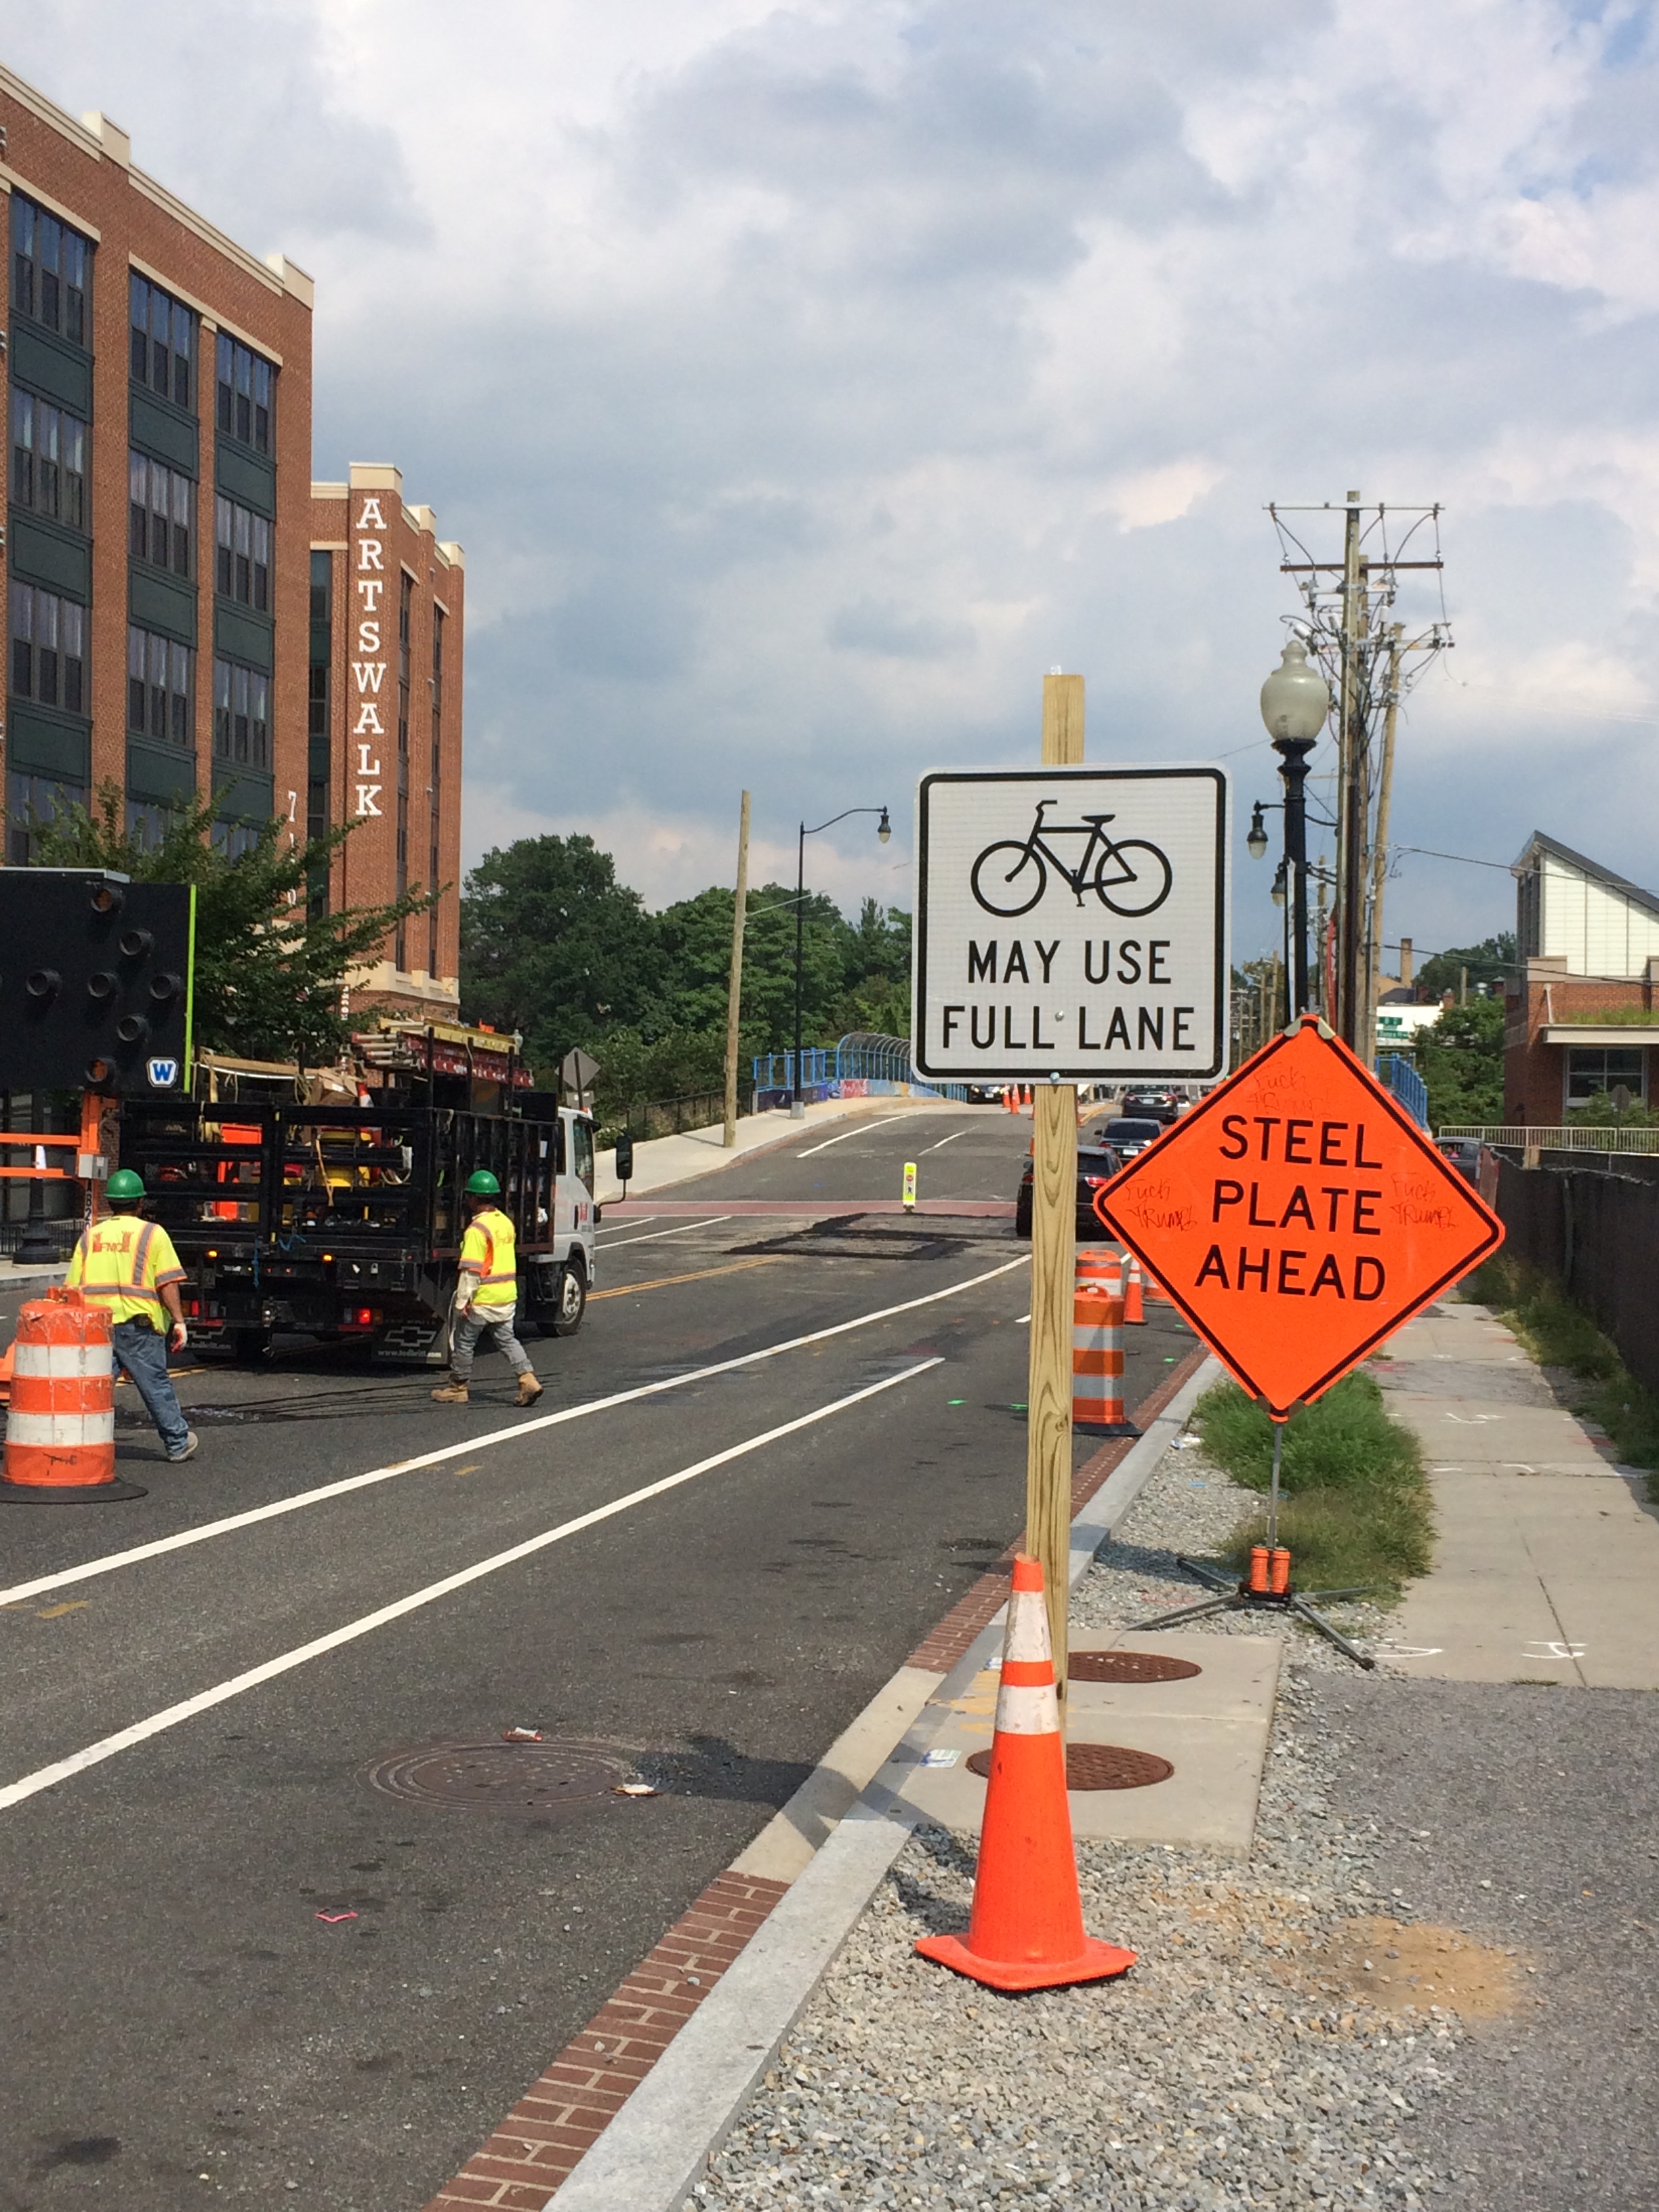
1071	923
163	1074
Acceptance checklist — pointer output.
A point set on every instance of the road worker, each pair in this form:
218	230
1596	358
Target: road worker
129	1267
486	1295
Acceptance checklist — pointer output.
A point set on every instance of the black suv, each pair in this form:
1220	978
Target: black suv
1097	1163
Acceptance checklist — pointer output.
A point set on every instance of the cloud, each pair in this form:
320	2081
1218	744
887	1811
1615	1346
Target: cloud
805	377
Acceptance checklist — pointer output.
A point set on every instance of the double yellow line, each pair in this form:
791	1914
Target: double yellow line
697	1275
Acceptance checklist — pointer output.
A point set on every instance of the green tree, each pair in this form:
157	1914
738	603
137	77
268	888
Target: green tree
1460	1059
553	945
875	993
270	966
1492	962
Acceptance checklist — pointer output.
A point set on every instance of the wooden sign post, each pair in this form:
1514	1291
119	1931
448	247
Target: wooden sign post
1054	1267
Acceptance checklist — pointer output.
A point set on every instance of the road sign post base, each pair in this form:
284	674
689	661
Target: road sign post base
1239	1597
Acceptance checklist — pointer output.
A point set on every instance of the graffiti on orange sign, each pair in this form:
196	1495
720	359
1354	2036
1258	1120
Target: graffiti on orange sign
1299	1217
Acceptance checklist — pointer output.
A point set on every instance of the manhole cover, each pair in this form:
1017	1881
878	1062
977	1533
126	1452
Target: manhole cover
1099	1766
501	1778
1128	1666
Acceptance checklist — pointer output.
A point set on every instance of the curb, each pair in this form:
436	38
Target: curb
650	2156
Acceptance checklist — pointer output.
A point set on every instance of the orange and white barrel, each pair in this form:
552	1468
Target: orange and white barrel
60	1424
1097	1351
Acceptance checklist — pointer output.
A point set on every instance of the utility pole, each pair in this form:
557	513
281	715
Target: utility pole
1054	1267
1351	797
734	993
1380	849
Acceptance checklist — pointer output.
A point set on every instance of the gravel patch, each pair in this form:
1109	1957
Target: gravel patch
1189	1505
1241	2063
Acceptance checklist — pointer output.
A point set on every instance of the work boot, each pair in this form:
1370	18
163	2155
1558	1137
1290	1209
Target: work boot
529	1388
451	1394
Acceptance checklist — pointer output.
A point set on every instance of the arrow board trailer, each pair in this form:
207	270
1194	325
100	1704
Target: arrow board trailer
1072	924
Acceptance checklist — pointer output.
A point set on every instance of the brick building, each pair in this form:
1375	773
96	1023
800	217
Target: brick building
386	607
158	402
164	553
1583	1015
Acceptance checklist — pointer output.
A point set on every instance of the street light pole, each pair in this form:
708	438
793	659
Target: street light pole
1295	701
883	831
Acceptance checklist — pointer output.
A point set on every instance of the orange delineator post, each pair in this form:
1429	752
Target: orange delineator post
1025	1931
1097	1351
60	1426
1134	1306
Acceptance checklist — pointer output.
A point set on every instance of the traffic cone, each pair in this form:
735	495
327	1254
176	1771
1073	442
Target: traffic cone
1134	1305
5	1374
1025	1931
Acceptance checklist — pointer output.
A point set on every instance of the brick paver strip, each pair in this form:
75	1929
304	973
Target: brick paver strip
565	2111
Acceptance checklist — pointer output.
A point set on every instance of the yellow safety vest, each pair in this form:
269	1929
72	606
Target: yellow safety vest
122	1262
489	1251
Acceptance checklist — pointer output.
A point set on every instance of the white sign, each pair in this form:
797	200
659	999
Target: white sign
368	583
1071	923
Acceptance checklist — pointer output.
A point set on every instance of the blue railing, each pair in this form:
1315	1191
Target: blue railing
1399	1076
864	1060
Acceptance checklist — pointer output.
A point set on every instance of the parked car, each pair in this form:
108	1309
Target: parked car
1131	1134
1464	1154
1160	1106
1097	1165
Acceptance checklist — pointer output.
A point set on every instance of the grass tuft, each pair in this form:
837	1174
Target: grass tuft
1561	1333
1355	1508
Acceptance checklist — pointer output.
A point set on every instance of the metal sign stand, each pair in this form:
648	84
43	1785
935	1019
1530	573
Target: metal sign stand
1240	1598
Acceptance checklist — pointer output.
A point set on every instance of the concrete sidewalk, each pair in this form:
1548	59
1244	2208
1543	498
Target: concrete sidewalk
1546	1566
659	1161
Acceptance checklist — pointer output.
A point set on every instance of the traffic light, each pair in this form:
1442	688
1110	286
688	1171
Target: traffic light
95	982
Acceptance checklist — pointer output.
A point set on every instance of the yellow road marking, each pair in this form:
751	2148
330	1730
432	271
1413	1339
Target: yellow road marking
473	1469
57	1612
699	1275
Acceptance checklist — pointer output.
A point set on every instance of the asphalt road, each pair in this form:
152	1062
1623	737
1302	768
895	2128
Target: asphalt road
237	1965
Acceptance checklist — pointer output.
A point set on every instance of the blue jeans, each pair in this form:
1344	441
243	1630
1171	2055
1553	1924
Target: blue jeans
474	1321
142	1351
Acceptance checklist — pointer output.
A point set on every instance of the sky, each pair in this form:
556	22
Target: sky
805	380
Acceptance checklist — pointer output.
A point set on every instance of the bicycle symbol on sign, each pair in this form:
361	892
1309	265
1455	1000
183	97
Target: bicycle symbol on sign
1127	875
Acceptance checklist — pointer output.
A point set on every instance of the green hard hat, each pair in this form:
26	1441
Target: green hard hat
122	1184
482	1185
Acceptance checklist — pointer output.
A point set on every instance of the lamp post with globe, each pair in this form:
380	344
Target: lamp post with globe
1295	701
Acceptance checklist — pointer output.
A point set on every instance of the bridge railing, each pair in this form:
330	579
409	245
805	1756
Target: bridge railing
1577	1137
865	1063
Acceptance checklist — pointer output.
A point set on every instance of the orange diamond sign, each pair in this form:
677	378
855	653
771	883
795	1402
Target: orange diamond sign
1299	1217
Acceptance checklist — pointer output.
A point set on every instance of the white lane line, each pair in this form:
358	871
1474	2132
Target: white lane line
111	1561
862	1130
43	1778
635	1221
944	1141
657	1235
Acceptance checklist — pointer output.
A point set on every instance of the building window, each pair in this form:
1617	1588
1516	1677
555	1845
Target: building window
245	389
158	688
159	502
1593	1068
148	822
242	549
163	341
48	459
48	267
242	714
30	801
48	649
